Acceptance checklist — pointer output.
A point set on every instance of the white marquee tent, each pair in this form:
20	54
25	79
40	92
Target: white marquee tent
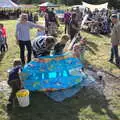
93	7
48	4
7	4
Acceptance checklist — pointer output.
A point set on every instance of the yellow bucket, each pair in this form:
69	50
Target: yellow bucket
23	97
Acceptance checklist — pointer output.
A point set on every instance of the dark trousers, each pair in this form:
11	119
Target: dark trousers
15	85
2	49
22	45
6	45
72	35
115	53
66	28
46	53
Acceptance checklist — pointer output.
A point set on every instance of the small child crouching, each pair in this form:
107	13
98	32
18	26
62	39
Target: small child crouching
59	47
79	49
14	81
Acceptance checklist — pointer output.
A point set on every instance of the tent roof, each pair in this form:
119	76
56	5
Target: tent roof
27	6
81	7
93	7
7	4
48	4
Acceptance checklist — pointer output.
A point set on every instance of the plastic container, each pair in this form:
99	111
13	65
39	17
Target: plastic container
23	97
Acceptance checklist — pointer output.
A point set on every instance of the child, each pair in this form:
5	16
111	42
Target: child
59	47
79	49
2	48
5	45
14	81
40	33
76	50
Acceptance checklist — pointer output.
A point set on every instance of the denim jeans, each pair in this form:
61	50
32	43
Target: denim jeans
22	45
66	28
115	53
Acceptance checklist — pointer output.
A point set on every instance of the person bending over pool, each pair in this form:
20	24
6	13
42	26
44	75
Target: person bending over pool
42	45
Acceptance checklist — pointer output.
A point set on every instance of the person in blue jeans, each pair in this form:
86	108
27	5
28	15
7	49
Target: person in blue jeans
115	40
23	36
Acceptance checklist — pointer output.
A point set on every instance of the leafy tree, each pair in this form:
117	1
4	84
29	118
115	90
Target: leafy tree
112	3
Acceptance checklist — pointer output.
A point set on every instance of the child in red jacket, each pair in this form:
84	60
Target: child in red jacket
4	34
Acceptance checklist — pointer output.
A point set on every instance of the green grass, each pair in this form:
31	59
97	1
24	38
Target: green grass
98	53
81	106
6	60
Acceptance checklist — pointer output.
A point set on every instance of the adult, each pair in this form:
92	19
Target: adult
115	40
46	20
52	23
73	26
23	36
30	16
42	45
67	17
79	15
35	18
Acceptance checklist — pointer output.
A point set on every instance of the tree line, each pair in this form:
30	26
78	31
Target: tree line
112	3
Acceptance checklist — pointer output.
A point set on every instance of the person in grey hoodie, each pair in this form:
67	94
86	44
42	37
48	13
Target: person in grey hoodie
115	40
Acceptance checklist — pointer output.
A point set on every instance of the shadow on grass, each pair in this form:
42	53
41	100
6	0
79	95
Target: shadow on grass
2	56
92	47
107	35
96	35
43	108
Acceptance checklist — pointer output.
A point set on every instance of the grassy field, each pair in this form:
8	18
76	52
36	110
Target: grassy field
98	53
79	107
6	59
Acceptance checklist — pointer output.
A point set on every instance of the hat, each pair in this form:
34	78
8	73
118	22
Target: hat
114	16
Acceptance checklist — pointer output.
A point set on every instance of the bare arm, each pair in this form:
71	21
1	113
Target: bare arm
33	25
40	27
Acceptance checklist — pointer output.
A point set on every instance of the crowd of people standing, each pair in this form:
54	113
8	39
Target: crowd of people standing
98	21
